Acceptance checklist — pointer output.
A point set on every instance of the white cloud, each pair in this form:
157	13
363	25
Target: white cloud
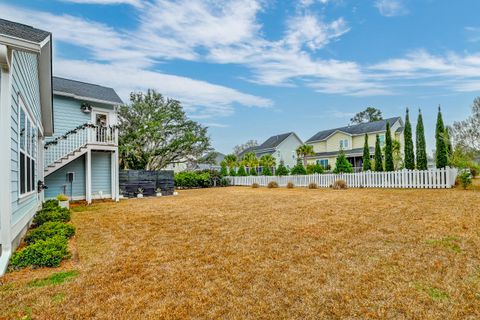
202	99
136	3
391	8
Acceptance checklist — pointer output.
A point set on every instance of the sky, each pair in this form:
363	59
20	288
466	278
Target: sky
249	69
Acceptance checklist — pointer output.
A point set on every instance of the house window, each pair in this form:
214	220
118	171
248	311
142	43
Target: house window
323	163
27	151
382	140
344	144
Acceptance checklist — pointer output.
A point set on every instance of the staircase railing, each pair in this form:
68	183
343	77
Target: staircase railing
78	138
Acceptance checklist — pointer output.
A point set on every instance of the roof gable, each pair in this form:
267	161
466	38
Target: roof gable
357	129
22	31
85	91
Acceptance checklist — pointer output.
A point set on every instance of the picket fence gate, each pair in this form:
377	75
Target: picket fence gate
421	179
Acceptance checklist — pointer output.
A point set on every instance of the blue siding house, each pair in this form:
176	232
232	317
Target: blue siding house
81	159
26	118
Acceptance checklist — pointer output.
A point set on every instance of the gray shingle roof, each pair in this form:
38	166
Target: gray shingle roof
356	129
22	31
351	152
85	90
267	145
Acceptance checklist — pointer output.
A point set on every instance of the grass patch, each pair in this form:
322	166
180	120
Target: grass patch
54	279
434	293
450	243
59	297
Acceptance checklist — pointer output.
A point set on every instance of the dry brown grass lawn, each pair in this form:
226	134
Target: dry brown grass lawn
263	253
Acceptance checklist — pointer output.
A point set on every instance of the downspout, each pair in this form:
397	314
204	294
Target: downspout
5	203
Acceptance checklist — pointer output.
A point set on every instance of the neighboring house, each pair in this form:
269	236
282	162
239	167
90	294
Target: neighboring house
328	143
26	118
282	146
81	159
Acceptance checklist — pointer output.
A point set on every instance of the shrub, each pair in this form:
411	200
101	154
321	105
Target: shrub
51	214
52	203
48	230
43	253
314	168
192	180
62	197
242	172
342	165
474	172
281	169
339	184
465	179
290	185
255	185
312	185
253	171
266	171
224	182
298	169
272	184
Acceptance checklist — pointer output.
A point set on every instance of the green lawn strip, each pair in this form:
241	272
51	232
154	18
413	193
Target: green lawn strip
434	293
450	243
54	279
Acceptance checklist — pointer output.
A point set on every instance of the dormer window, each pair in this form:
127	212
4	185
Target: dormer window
344	144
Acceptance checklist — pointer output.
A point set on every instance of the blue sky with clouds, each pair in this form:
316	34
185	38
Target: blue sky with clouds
250	69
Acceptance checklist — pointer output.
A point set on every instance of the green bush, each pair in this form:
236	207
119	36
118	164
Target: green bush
266	171
465	178
298	169
51	214
224	182
342	165
281	170
52	203
48	230
43	253
242	172
314	168
192	180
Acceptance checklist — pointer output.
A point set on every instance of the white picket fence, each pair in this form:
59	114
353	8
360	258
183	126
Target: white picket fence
422	179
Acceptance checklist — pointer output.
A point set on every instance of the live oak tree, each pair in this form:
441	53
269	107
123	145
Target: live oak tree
466	133
366	155
378	155
421	147
388	150
408	146
242	147
155	132
370	114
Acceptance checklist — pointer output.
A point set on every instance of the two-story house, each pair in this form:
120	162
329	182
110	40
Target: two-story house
81	159
282	146
26	118
328	143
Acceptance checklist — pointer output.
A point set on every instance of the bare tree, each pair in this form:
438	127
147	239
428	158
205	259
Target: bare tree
466	133
242	147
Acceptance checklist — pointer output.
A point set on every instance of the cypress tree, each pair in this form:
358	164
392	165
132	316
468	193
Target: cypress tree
253	171
388	150
441	158
366	155
342	165
408	147
421	145
378	155
281	170
241	171
448	143
232	172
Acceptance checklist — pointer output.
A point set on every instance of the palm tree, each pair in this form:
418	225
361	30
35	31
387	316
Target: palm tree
268	161
304	151
231	160
250	160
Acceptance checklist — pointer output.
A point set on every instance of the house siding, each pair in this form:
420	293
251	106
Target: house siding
101	174
333	142
57	181
25	82
67	115
286	151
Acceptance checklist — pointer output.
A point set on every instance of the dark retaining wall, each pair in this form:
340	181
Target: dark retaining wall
149	181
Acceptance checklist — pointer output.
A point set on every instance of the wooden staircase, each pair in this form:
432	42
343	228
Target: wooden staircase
75	143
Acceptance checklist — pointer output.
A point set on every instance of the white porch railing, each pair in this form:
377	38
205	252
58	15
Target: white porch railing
433	178
70	142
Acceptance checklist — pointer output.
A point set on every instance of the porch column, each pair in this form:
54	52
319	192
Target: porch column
88	176
5	167
114	173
